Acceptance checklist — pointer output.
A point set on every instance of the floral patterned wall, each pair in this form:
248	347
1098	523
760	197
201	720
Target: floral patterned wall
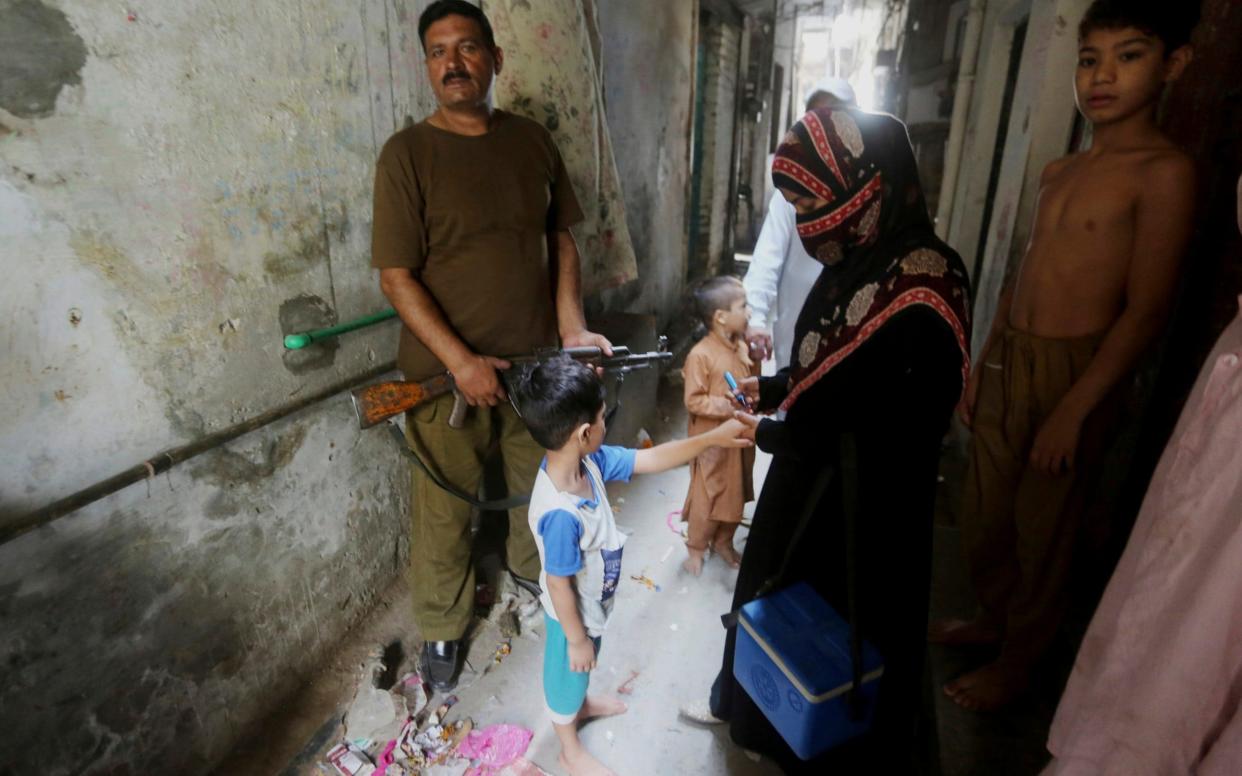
551	74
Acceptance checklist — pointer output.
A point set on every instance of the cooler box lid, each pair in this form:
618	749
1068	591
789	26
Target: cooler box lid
807	641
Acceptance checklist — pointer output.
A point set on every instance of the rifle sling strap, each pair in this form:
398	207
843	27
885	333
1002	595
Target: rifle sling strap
496	505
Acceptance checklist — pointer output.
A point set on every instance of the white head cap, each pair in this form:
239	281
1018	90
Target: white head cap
837	87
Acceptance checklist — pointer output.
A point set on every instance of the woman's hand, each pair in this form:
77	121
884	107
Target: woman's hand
749	424
749	386
733	433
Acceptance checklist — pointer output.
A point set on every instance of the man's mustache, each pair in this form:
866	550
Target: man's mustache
454	75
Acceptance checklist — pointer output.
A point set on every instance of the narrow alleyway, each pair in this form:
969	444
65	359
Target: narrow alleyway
668	641
201	551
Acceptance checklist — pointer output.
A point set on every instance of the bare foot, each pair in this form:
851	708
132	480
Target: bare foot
601	706
728	554
962	633
579	762
987	689
694	563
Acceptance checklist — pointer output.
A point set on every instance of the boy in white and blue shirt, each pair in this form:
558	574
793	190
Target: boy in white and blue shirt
562	403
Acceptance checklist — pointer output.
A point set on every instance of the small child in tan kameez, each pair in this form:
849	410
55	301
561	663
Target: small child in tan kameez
720	479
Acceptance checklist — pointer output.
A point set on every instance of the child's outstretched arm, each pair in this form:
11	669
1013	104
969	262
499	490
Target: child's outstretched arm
565	602
731	433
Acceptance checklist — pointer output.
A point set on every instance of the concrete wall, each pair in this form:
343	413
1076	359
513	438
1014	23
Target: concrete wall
180	185
648	63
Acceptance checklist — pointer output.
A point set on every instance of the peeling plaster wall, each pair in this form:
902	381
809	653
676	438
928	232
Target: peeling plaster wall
648	57
196	179
181	184
151	630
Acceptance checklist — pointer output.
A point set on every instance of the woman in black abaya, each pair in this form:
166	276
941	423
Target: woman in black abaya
881	353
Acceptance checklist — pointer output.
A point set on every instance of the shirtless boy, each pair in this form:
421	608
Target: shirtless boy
1093	291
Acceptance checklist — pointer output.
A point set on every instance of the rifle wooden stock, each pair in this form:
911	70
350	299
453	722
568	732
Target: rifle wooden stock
380	401
377	402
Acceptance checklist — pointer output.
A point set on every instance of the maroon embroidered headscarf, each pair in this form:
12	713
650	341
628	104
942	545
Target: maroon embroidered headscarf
871	230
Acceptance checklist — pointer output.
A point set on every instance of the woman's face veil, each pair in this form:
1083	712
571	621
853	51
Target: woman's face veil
861	212
829	169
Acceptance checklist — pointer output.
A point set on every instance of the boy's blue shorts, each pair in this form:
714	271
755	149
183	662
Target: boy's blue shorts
564	690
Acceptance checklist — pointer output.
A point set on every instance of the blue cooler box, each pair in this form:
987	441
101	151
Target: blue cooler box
793	659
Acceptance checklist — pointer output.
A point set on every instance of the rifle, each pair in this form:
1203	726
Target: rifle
380	401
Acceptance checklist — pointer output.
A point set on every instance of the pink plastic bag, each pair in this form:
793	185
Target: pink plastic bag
386	759
494	747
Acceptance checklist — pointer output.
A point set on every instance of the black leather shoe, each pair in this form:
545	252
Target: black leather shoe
439	664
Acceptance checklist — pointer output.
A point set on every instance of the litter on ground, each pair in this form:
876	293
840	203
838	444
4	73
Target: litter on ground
494	747
627	686
646	580
348	760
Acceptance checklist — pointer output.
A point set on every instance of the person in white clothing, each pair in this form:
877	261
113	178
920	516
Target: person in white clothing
781	273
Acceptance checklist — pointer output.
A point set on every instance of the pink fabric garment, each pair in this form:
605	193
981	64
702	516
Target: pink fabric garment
494	747
1158	680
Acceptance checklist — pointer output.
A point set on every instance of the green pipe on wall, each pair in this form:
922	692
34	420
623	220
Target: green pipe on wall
302	339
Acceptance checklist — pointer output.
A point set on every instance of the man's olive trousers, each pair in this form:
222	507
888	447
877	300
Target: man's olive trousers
441	571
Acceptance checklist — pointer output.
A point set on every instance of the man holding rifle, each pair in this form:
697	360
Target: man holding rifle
471	236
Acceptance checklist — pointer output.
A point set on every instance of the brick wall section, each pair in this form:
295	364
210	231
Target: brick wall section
722	44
